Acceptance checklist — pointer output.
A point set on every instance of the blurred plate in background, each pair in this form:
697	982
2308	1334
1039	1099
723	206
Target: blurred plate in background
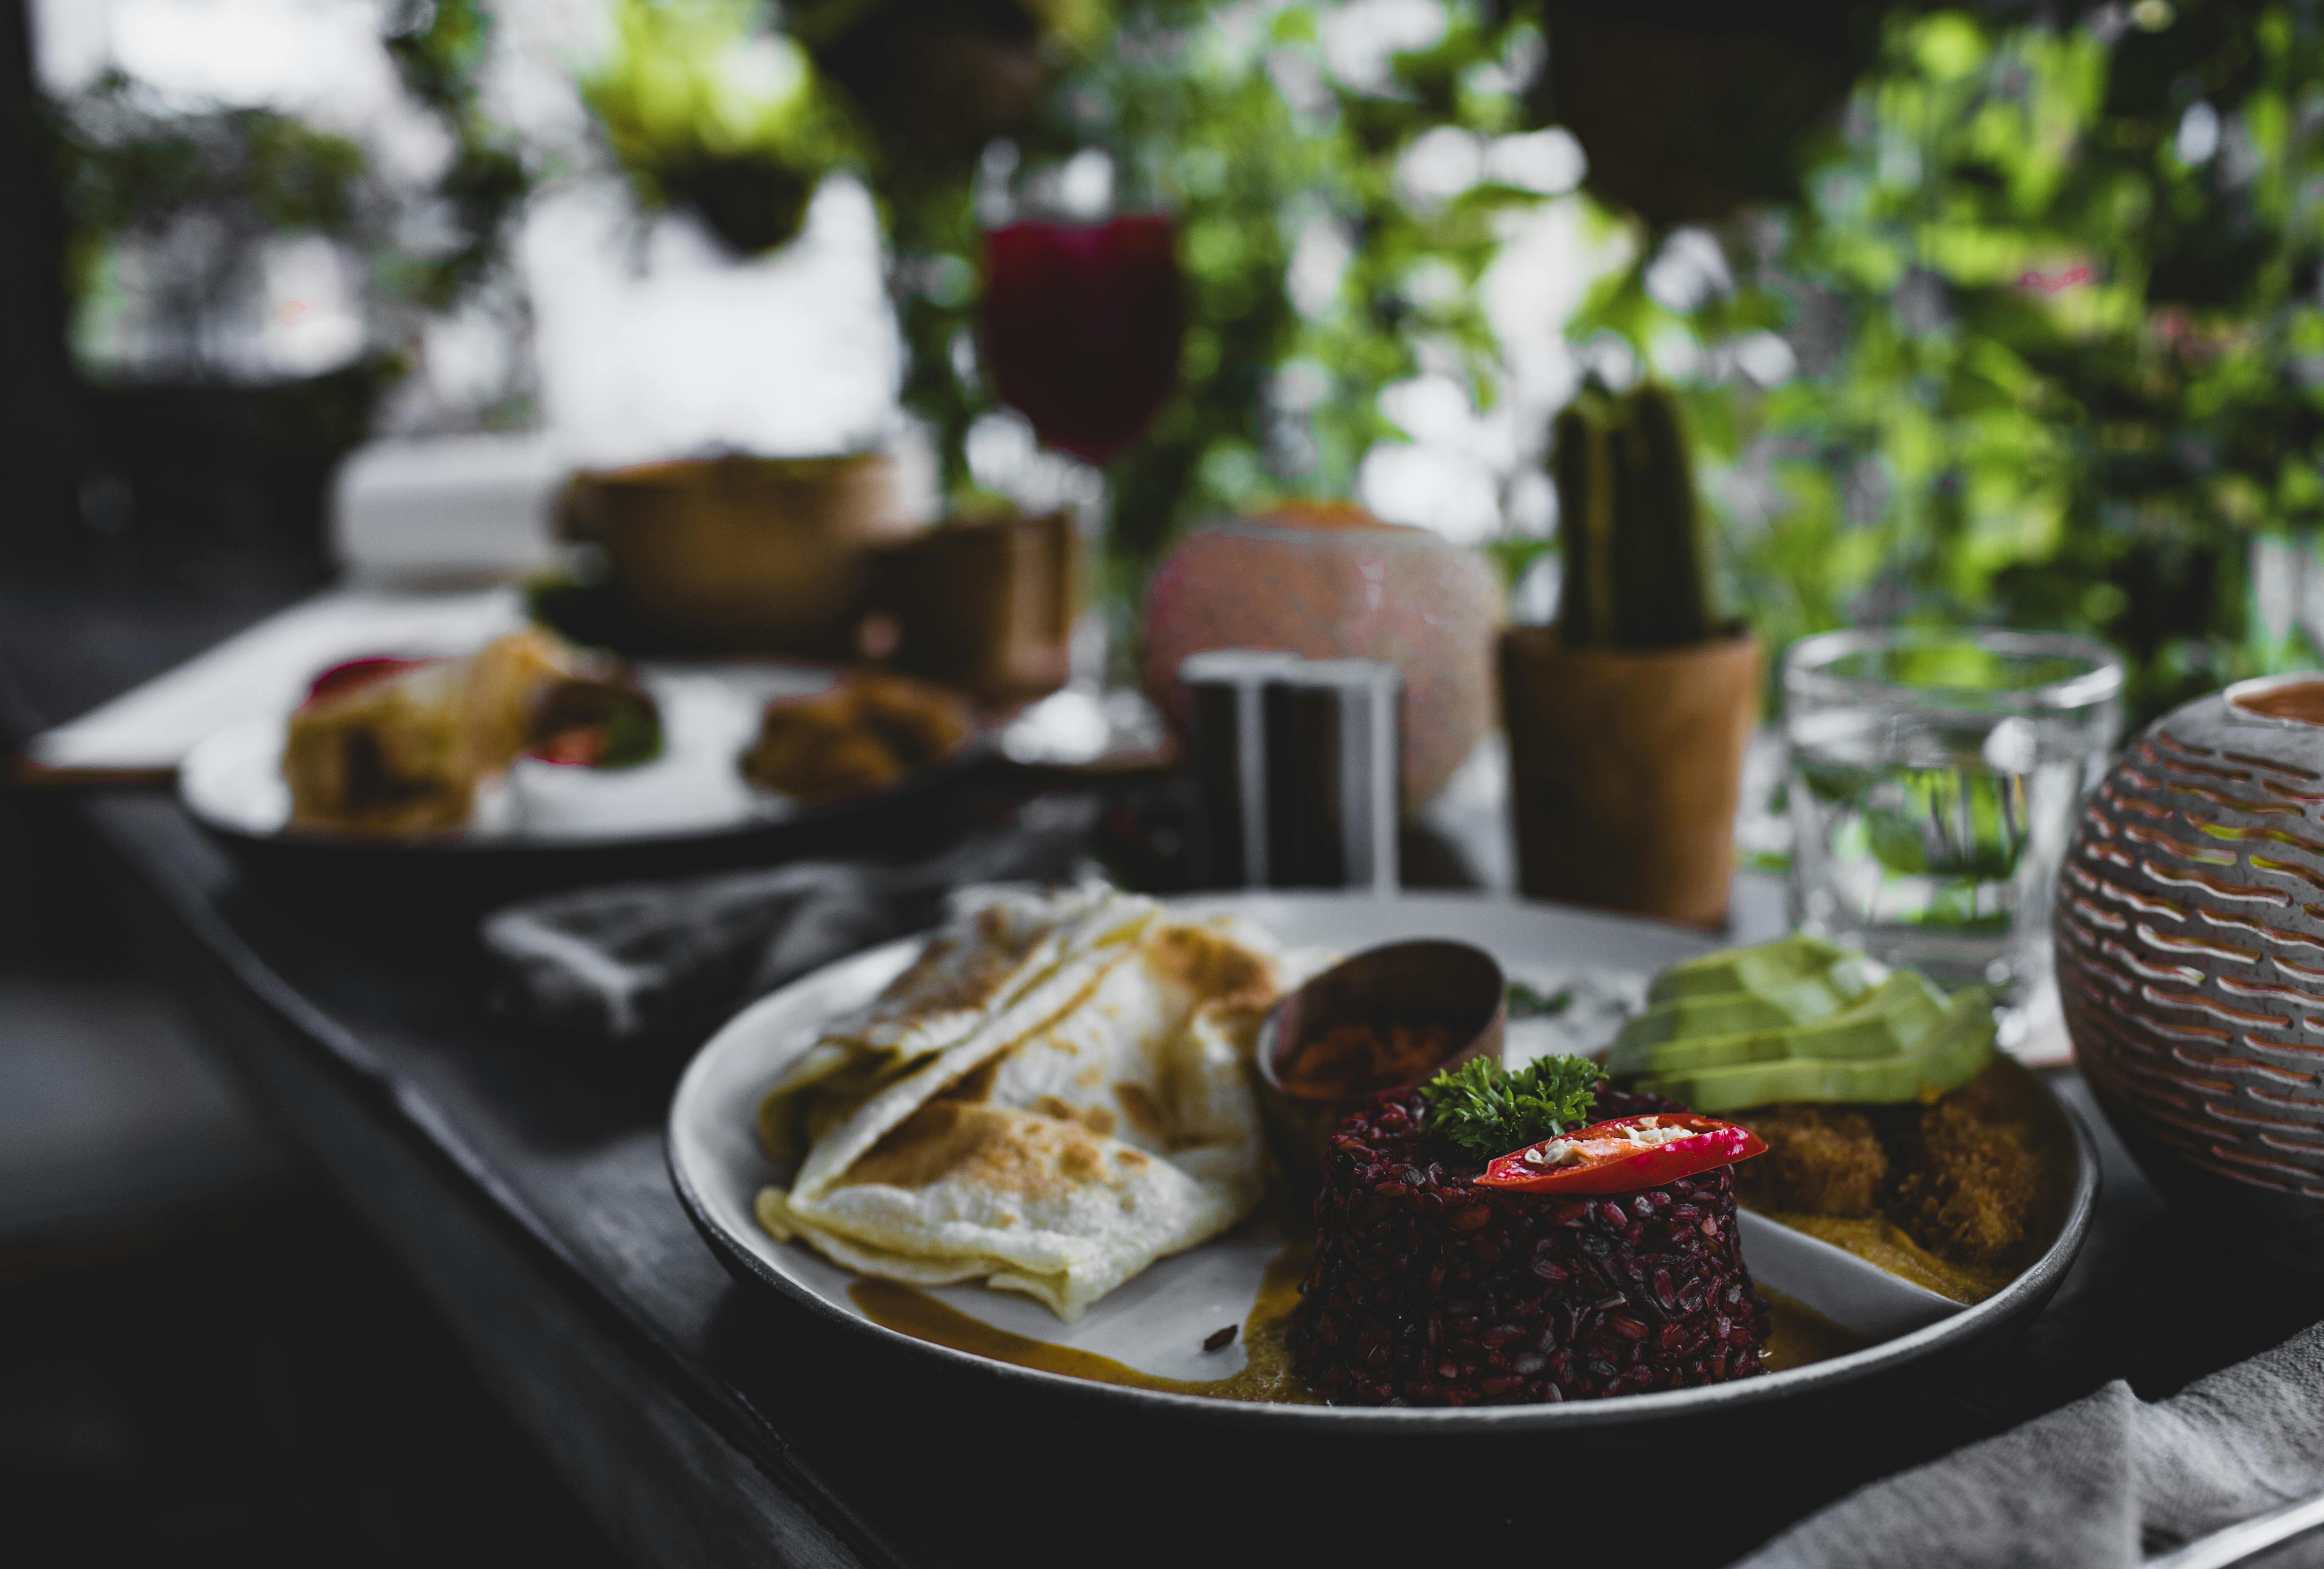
549	825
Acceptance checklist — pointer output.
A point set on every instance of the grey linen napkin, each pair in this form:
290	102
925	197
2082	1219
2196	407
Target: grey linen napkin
637	963
2106	1481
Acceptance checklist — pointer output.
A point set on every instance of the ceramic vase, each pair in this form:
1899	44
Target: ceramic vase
2190	934
1335	583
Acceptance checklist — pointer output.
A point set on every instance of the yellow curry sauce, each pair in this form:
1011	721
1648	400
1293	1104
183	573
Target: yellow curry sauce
1884	1242
1797	1335
1265	1374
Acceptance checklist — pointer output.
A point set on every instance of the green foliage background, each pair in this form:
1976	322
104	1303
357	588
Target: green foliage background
2051	293
1228	117
2051	372
131	166
2051	289
1230	120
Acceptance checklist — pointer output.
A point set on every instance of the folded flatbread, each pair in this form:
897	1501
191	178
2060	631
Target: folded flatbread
406	753
1050	1099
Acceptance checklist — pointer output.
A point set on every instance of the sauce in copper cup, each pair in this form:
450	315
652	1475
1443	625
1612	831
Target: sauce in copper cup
1384	1019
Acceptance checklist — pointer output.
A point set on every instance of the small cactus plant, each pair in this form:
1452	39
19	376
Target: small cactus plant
1629	524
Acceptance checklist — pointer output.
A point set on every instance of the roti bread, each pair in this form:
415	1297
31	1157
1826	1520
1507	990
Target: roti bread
1051	1098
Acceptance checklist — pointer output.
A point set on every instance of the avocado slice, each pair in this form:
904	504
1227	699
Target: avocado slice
1715	1013
1889	1022
1945	1057
1760	970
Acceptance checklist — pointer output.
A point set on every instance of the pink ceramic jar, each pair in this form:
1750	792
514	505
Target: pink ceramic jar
1333	582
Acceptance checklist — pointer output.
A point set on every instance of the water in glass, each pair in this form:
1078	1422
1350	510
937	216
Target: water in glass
1930	823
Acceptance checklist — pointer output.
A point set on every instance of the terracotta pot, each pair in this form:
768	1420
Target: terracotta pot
757	555
1625	769
989	605
2190	956
1336	583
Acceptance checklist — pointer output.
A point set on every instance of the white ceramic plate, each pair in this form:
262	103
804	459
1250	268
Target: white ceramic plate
233	781
1157	1322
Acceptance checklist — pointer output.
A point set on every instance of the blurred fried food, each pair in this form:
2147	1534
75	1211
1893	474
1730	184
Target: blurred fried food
869	732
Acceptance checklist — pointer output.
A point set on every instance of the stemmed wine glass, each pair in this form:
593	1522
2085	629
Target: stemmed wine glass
1082	322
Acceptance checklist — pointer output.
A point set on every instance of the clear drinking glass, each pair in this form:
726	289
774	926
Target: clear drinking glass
1934	777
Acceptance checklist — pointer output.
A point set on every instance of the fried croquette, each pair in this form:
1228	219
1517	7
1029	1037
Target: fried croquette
1823	1160
865	734
1970	1185
1963	1175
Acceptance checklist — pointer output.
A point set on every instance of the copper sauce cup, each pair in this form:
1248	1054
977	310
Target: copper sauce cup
1433	982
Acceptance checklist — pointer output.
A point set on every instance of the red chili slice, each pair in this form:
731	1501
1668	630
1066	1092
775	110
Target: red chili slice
1604	1156
349	674
580	746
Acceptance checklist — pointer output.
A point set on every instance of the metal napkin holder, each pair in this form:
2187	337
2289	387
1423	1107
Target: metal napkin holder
1295	769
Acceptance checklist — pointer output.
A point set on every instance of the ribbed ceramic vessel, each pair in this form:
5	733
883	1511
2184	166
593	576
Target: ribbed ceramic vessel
2190	955
1330	583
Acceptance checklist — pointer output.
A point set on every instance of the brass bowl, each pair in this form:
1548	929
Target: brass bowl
1434	981
746	554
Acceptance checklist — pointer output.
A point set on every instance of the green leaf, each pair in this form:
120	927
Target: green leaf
1485	1110
1525	1002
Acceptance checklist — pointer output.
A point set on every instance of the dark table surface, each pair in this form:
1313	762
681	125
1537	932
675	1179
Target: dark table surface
525	1191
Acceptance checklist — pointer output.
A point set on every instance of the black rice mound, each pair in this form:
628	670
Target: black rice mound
1428	1290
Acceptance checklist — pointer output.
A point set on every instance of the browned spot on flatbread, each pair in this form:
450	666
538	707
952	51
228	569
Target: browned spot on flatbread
1142	1111
976	1084
1011	1152
931	959
996	957
939	1140
1210	965
1096	1119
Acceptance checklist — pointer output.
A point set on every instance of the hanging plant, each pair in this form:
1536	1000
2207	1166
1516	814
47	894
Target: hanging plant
1690	111
707	110
2052	339
210	185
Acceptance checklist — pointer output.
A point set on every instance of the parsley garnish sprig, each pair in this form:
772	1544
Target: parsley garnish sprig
1487	1110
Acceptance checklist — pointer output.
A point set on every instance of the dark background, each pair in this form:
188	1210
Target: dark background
202	1358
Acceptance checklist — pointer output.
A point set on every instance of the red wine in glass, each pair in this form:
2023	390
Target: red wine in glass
1081	327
